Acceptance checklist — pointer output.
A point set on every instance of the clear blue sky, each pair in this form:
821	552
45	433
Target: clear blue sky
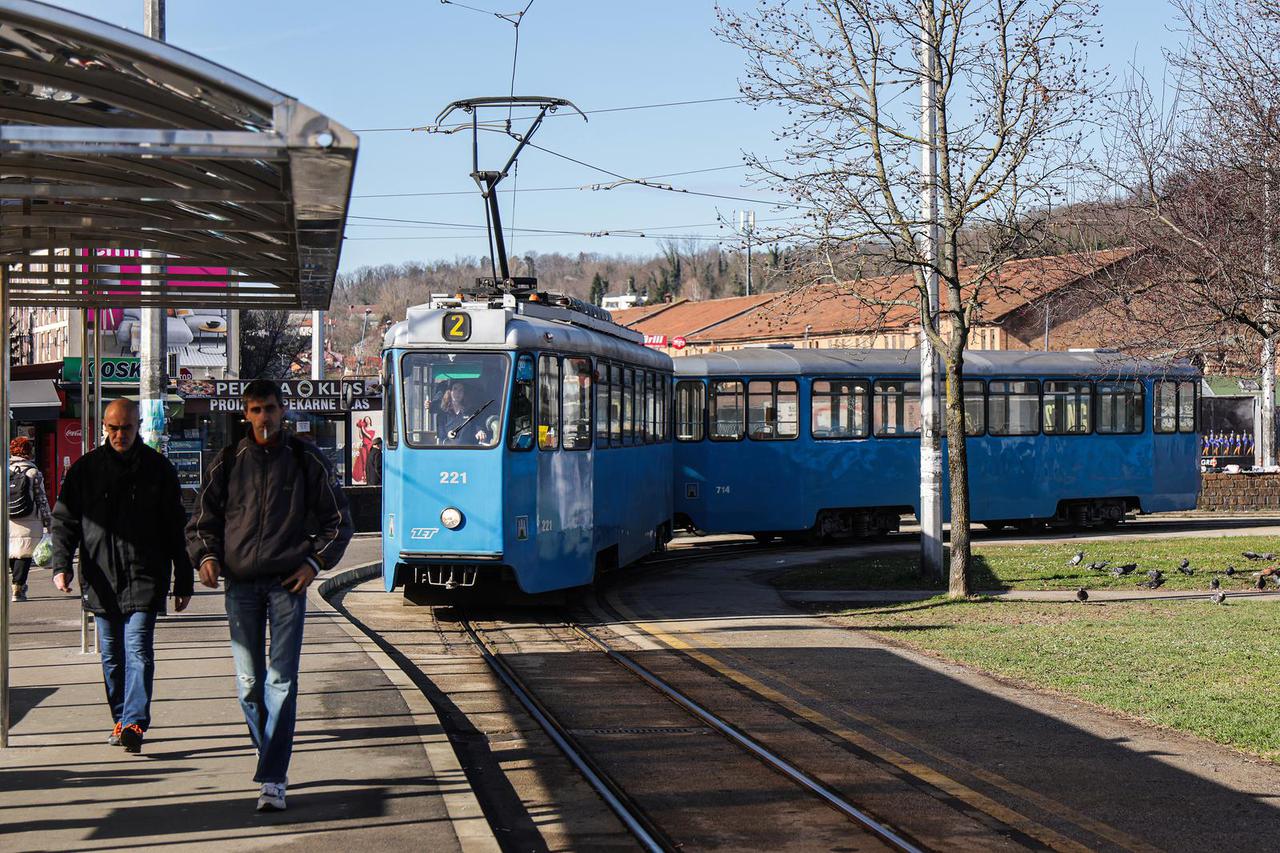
396	63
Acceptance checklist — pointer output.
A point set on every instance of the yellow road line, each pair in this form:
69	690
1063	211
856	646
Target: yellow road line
965	794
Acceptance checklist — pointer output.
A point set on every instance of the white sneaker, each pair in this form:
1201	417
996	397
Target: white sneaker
271	799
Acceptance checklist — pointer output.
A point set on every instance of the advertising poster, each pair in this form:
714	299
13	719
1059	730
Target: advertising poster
366	426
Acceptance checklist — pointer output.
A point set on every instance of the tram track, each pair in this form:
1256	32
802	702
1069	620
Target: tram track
628	810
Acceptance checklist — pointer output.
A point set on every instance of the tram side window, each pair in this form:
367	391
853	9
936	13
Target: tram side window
628	406
728	421
1067	407
664	406
389	402
548	402
1188	405
975	407
650	407
1013	408
691	404
577	403
1120	407
1166	407
772	409
895	407
615	405
520	428
602	404
838	409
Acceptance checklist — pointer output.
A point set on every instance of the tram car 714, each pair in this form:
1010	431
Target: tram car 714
833	438
527	447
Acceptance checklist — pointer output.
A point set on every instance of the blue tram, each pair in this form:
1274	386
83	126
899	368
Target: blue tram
522	438
832	438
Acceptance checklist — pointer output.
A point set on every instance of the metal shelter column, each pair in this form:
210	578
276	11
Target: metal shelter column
4	514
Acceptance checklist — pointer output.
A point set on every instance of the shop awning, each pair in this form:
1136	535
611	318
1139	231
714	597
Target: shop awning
34	400
113	144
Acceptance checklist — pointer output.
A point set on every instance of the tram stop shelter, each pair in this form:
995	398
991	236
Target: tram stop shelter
111	141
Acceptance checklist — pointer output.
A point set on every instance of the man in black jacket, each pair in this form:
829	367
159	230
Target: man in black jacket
121	507
269	519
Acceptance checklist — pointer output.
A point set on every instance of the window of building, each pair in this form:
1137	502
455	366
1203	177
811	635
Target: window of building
691	410
1120	407
838	409
1067	407
772	409
896	407
728	415
1013	407
548	402
577	403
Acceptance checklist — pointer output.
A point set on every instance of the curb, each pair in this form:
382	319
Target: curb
467	817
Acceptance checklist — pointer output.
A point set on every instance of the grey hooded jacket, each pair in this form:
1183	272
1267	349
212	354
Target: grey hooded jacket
266	510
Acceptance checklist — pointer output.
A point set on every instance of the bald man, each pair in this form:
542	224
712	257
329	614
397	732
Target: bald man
120	506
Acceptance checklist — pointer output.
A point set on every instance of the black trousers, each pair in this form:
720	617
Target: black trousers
18	568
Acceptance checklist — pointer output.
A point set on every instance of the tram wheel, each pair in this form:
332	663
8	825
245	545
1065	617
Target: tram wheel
995	526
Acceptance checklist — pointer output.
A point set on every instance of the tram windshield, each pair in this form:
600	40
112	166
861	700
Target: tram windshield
453	399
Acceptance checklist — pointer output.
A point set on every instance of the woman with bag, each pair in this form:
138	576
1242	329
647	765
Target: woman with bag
29	515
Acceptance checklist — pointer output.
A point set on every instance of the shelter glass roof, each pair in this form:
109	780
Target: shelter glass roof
112	144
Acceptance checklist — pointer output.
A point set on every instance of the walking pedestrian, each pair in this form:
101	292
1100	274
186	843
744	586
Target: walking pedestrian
269	519
120	506
29	516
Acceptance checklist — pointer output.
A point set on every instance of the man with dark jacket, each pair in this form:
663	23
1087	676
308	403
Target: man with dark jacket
373	464
121	507
269	519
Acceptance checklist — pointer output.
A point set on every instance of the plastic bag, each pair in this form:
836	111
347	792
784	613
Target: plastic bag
43	552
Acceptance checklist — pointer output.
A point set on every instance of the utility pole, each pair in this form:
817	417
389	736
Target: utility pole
746	225
153	346
931	552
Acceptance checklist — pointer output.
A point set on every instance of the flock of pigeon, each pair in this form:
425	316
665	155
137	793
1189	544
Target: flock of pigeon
1155	578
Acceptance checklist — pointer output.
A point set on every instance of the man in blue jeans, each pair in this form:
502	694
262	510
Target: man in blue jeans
120	506
268	519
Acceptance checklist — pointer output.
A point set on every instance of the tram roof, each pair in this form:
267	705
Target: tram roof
115	144
772	361
537	328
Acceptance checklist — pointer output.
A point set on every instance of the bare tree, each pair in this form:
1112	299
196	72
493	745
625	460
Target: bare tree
1199	169
1012	89
269	343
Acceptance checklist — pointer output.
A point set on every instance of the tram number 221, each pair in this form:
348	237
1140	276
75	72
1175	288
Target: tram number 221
453	478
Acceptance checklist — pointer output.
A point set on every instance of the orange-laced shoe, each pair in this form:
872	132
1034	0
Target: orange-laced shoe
113	739
131	737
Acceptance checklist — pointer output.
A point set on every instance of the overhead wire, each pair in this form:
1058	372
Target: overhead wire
556	115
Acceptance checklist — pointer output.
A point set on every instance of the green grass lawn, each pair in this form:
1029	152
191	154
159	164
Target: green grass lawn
1202	668
1047	566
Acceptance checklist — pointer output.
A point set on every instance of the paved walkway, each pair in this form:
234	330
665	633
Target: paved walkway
371	769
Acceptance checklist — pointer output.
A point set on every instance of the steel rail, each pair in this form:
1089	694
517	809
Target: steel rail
636	821
751	745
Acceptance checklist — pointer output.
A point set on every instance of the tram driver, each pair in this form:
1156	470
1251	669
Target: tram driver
464	420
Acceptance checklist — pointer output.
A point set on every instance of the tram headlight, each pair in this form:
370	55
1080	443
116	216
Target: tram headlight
451	518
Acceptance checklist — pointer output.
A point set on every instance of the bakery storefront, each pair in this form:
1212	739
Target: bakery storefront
340	416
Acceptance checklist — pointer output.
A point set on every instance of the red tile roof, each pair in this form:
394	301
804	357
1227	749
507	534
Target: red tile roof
686	317
885	303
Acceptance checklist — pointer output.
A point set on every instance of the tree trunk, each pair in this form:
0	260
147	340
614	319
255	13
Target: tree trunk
958	469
